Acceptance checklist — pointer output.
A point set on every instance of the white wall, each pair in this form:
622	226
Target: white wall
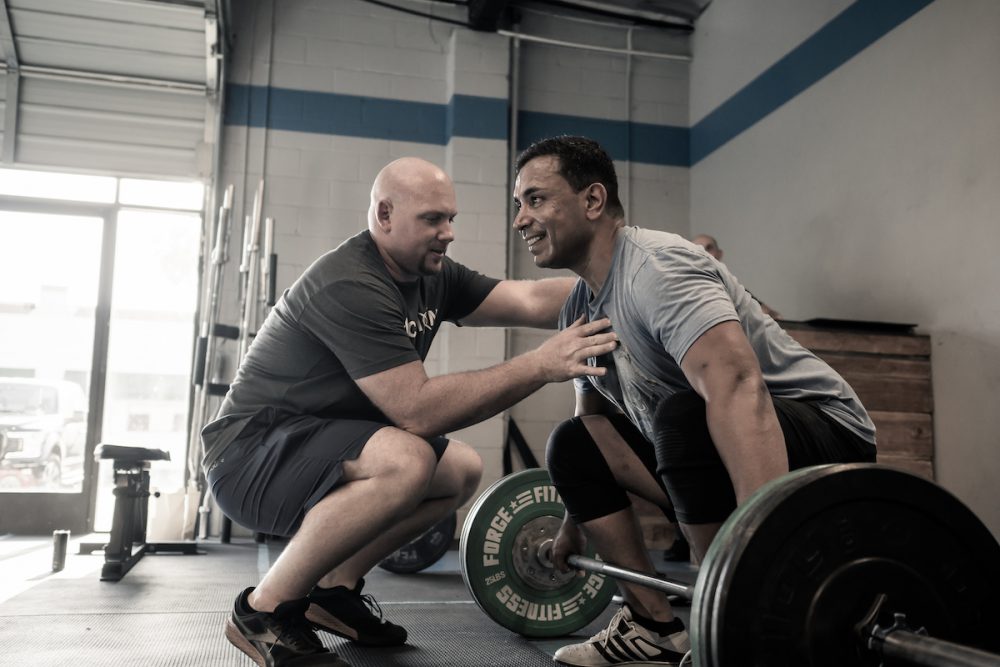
873	195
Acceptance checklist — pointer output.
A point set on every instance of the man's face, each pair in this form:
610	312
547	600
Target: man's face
422	228
710	245
550	217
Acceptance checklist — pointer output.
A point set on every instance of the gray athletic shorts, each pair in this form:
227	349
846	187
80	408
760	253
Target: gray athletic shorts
281	465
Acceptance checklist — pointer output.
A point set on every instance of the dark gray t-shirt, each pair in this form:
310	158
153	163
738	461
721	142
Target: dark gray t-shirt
345	318
661	294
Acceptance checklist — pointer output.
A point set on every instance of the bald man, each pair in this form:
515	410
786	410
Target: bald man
711	246
332	432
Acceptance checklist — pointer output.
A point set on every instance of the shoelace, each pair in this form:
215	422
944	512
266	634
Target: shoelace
372	604
298	630
605	635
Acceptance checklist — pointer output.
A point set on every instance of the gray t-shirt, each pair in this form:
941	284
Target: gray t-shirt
345	318
661	294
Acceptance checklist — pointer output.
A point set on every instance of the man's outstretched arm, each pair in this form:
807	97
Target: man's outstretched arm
432	406
522	303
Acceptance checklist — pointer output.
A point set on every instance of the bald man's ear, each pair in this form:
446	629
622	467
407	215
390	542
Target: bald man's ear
596	199
383	214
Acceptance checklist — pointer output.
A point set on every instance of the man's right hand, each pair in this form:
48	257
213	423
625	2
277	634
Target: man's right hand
564	356
569	540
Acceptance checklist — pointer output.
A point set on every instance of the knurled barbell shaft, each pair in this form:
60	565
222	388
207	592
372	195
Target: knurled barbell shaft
600	567
915	649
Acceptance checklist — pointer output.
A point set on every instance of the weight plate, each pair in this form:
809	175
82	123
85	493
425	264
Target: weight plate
498	555
424	551
797	566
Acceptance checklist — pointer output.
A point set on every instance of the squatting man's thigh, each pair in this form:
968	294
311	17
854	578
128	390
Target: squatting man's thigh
392	451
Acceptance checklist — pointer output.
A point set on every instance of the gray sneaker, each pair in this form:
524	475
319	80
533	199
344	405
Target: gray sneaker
625	642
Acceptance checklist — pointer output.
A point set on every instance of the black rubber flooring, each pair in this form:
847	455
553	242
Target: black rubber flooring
169	611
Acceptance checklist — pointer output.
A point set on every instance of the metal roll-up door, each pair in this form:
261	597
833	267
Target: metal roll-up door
116	86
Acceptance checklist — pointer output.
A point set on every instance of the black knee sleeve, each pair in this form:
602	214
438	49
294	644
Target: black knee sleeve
688	462
580	473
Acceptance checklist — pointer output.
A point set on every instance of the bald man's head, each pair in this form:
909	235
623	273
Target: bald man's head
710	245
410	216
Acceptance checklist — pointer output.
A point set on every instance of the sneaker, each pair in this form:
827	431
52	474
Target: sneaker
625	642
282	638
351	615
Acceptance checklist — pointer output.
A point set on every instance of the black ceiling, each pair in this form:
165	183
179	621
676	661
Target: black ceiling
668	14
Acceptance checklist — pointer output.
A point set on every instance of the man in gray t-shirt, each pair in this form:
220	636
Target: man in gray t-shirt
704	400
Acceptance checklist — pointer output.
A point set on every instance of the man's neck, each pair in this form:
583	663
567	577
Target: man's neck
598	262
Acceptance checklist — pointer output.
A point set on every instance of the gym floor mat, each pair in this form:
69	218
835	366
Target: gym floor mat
169	610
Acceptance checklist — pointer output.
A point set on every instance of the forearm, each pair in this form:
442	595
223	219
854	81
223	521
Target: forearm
449	402
592	403
429	406
746	432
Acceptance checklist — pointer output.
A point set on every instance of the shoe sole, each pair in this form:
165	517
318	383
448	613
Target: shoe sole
237	639
323	620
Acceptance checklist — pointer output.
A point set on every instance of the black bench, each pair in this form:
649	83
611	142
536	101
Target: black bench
127	543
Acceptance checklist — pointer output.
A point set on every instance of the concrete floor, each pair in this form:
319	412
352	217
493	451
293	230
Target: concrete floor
169	610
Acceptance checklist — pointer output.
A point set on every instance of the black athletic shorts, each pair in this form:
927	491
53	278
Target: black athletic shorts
282	464
688	467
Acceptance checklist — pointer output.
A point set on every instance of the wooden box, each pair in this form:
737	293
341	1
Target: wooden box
891	373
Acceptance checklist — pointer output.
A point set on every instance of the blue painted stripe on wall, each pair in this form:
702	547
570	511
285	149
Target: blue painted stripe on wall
653	144
853	30
331	113
478	117
463	116
372	117
838	41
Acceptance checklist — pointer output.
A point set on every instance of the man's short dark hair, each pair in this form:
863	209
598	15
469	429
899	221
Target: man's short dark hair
582	162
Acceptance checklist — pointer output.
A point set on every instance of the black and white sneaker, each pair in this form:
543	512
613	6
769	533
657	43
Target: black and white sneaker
351	615
625	642
282	638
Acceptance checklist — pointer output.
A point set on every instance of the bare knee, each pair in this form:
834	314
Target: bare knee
459	471
396	457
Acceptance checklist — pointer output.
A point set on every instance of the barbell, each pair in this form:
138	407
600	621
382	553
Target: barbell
845	564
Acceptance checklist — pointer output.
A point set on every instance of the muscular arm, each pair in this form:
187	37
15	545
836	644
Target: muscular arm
722	368
593	403
522	303
432	406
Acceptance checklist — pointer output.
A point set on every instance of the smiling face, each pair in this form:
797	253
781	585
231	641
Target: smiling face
415	208
550	217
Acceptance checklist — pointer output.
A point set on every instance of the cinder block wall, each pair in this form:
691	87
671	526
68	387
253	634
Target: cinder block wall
322	95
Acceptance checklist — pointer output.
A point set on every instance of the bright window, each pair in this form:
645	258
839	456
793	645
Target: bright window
53	185
49	282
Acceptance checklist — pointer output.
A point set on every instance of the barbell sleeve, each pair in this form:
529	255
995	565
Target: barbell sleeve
600	567
916	649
